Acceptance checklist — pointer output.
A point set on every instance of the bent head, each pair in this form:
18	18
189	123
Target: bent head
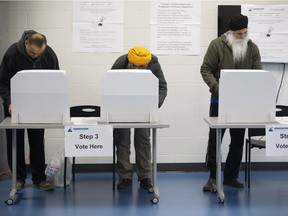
139	57
240	34
35	45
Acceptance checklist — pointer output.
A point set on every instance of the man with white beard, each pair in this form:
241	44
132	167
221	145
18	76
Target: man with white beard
232	50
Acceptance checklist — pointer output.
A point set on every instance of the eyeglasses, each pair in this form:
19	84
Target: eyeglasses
133	66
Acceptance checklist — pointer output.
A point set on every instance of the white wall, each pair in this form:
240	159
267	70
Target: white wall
3	47
188	97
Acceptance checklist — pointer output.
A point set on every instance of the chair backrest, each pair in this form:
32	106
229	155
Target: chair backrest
85	111
256	132
281	110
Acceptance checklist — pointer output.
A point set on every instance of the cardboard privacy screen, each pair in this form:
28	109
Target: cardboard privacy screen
247	96
129	96
40	96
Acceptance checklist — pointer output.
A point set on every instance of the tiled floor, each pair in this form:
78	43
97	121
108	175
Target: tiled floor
180	195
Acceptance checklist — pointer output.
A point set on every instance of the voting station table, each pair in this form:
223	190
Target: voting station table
154	127
6	124
215	124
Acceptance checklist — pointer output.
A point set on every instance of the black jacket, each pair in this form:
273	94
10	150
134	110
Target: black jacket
16	59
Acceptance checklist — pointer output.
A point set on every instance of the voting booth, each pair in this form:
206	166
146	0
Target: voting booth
247	96
40	96
129	96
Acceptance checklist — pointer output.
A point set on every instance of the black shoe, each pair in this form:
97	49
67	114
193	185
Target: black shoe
233	183
147	185
124	183
209	185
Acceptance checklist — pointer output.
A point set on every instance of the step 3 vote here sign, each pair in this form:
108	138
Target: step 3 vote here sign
87	141
277	140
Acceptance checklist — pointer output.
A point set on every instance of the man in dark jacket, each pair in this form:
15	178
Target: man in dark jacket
30	52
137	58
232	50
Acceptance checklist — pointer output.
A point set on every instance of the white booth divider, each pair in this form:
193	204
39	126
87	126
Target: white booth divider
40	96
247	96
129	96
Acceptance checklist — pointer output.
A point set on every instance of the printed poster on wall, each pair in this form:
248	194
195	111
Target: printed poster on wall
175	27
98	26
268	28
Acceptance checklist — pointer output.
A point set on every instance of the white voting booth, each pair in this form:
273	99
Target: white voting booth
247	96
40	96
129	96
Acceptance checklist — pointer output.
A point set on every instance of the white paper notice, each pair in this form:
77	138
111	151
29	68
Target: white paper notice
268	28
88	140
85	120
175	27
282	120
277	140
98	26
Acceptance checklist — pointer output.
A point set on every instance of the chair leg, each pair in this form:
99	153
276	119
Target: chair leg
114	170
65	167
73	169
246	159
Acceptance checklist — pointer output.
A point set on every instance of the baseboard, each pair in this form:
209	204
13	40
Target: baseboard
184	167
267	166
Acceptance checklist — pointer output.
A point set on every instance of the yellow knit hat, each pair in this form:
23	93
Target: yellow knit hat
139	56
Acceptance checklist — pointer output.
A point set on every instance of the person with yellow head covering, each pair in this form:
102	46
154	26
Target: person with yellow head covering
138	57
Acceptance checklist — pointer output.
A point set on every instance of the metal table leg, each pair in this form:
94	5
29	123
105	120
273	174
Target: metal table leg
155	198
13	192
219	186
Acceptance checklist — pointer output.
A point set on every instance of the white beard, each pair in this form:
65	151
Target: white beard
239	47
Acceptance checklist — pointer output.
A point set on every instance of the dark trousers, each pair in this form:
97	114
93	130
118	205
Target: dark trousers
142	147
234	157
36	149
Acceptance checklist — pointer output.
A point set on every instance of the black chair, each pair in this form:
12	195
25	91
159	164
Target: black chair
80	111
256	139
